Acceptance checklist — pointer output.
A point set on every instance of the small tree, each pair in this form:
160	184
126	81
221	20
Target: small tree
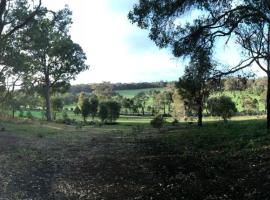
103	112
157	122
250	105
141	100
109	111
85	109
77	110
94	107
113	110
57	106
222	106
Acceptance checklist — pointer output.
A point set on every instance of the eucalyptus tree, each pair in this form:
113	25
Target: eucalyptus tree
141	100
56	59
14	16
197	82
245	22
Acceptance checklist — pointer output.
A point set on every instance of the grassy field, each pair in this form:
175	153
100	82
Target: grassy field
42	160
132	93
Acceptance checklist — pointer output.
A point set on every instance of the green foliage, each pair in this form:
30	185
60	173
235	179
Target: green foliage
93	106
48	37
109	111
222	106
29	115
103	111
57	105
21	113
77	110
85	109
157	122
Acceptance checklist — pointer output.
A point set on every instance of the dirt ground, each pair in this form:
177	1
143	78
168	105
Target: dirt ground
109	167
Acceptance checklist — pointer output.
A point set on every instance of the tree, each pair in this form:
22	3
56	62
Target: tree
197	83
222	106
250	105
178	106
113	110
93	106
126	103
56	59
109	111
140	100
57	106
245	22
85	109
103	112
81	98
104	91
14	15
157	122
77	110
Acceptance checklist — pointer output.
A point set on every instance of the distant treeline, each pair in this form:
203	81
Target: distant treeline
87	88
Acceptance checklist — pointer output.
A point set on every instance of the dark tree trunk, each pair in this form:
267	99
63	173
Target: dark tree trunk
48	99
200	114
13	112
268	101
143	111
268	81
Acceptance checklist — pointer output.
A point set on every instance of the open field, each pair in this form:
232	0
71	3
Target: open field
42	160
132	93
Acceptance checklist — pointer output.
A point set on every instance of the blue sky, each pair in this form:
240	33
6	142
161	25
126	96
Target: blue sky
118	51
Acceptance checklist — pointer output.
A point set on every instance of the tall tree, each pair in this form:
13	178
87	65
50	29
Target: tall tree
14	16
246	22
196	84
56	59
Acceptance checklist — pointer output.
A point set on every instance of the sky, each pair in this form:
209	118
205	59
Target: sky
117	51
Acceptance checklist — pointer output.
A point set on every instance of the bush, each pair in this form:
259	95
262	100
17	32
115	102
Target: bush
21	114
109	111
222	106
175	122
157	122
29	115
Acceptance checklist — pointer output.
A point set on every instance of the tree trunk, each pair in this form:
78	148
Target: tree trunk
268	100
48	99
268	81
13	112
200	111
143	111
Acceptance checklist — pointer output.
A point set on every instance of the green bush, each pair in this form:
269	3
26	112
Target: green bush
157	122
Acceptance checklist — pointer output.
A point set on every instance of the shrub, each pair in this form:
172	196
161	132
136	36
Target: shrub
21	114
222	106
77	110
109	111
29	115
157	122
85	109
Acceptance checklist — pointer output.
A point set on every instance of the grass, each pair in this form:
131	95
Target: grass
132	93
41	160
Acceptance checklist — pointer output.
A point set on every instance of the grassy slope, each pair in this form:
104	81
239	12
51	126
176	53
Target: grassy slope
218	161
132	93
